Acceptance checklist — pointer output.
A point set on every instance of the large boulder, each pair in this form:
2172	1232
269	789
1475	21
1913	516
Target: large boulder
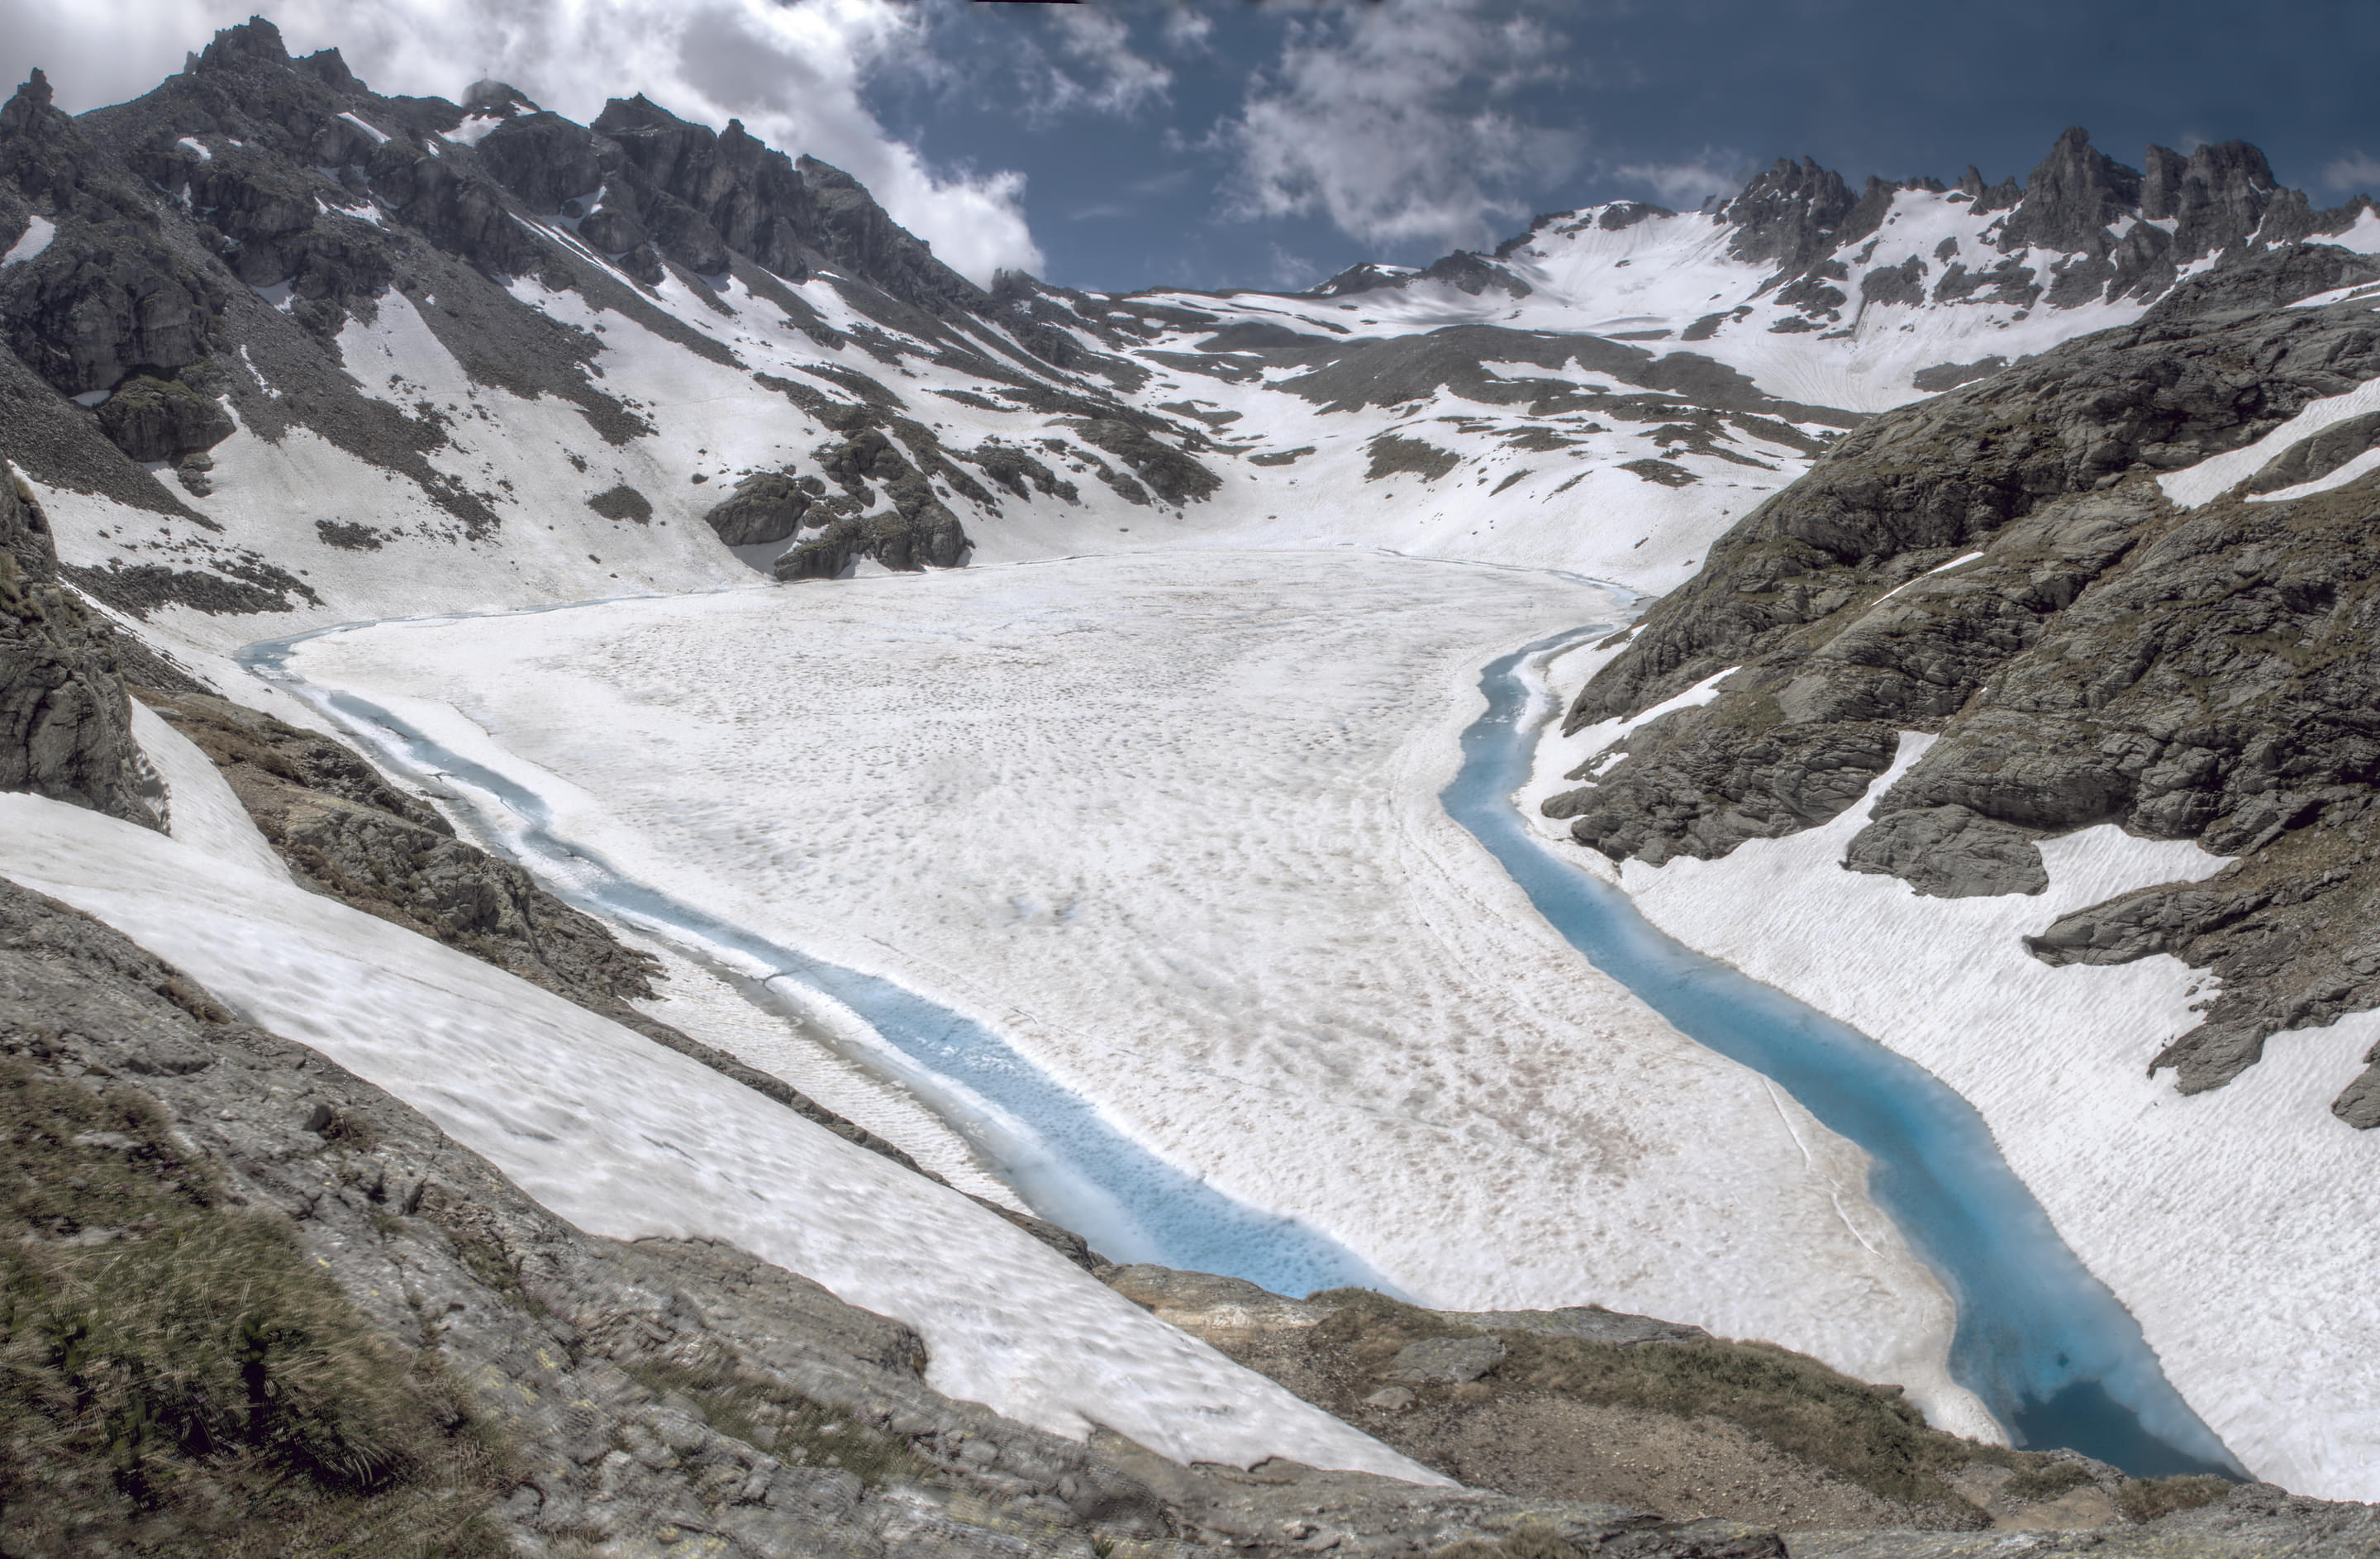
162	420
765	508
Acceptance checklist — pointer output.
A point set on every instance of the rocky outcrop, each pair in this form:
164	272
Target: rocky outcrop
2101	657
65	723
162	420
1788	217
765	508
2071	199
1632	1410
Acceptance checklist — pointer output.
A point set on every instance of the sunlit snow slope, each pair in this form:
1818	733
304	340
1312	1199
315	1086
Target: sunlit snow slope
1170	825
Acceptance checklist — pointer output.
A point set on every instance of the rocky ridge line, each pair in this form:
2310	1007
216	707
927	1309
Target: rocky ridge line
2188	673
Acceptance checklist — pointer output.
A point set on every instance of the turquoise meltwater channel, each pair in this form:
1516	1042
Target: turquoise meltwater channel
2050	1350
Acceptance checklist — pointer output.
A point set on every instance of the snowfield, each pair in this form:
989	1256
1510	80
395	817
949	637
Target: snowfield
2235	1224
629	1140
1171	827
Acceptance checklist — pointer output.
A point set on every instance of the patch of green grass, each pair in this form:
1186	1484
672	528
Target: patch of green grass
176	1378
2046	1481
774	1417
2145	1499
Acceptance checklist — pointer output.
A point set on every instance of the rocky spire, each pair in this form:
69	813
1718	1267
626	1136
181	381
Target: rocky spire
255	40
1788	214
2072	197
2217	196
29	107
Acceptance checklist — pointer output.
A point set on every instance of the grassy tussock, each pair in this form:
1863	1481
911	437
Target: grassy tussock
177	1377
787	1425
2145	1499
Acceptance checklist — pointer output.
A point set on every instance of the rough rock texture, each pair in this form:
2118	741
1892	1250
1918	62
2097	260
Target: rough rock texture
64	724
2190	674
211	239
1637	1411
765	508
162	420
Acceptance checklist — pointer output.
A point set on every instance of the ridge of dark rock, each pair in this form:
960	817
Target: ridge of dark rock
2188	674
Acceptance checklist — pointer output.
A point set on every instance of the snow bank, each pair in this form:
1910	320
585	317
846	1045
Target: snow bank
2235	1224
628	1141
35	238
2217	474
1169	825
203	813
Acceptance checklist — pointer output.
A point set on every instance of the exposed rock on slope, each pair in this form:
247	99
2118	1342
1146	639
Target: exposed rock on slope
2001	566
64	724
1646	1412
605	1393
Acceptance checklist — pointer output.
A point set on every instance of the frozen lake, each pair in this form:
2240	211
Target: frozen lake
1155	848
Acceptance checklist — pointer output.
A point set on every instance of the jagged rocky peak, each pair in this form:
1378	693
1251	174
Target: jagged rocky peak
1788	214
2072	197
490	98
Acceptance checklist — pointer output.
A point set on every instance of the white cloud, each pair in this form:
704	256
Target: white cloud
1100	43
1684	183
1187	28
792	72
2355	172
1385	118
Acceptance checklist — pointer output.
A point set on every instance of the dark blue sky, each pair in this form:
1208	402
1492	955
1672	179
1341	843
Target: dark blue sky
1221	143
1260	144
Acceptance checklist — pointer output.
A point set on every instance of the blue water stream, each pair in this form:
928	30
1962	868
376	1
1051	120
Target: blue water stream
2050	1351
2044	1344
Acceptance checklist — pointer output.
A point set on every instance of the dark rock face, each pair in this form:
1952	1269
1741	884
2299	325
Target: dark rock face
766	507
1788	215
2319	455
162	420
2218	195
2189	675
1468	273
2071	199
66	727
622	503
1949	852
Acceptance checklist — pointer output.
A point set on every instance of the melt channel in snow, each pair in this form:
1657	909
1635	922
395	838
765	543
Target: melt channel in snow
2044	1343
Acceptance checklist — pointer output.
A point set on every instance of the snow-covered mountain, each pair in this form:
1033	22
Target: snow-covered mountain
285	355
283	348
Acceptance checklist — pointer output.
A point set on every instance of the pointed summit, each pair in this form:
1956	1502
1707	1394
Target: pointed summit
2071	197
254	40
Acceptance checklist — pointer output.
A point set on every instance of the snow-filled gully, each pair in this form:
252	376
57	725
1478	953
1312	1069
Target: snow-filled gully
2056	1359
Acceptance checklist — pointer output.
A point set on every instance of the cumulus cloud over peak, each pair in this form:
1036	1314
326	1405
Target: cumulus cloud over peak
1391	120
1689	182
793	72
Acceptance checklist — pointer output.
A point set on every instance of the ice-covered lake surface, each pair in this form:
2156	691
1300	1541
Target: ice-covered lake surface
1166	831
2050	1350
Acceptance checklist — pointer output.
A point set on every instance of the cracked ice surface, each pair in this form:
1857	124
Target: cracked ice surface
1170	825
